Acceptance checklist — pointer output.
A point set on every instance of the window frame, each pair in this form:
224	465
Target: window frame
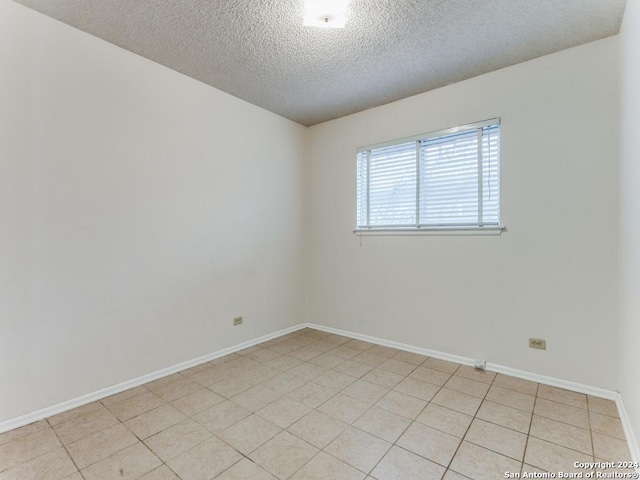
491	229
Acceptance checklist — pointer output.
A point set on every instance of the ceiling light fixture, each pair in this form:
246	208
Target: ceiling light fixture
325	13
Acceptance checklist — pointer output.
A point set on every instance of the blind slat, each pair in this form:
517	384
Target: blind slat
447	171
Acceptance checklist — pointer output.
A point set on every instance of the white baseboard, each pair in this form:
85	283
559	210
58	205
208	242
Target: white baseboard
628	431
493	367
534	377
555	382
121	387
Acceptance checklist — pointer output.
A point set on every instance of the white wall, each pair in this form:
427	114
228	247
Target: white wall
140	211
551	275
630	215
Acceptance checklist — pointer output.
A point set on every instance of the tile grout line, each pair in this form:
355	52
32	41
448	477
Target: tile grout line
526	444
66	450
475	415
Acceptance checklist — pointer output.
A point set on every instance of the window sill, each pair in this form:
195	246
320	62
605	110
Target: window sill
431	231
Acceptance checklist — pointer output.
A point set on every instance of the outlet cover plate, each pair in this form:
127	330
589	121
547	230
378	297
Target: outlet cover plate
538	343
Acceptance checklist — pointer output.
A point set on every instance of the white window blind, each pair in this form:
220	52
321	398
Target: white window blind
444	179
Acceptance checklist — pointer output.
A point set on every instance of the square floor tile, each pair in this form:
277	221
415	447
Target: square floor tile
561	395
232	386
25	431
441	365
399	464
496	438
352	368
398	366
161	473
154	421
468	386
100	445
344	408
181	387
335	380
256	398
360	345
460	402
562	434
120	397
209	376
245	469
328	360
134	406
284	383
475	374
426	374
323	467
416	388
551	457
128	464
283	455
205	460
479	463
317	428
517	384
401	404
312	394
367	357
603	406
451	475
248	434
365	391
577	417
611	426
197	401
610	448
73	413
284	412
446	420
263	355
164	381
284	362
307	371
383	424
383	351
346	352
409	357
85	425
383	378
27	447
177	439
505	416
511	398
55	465
429	443
358	449
221	416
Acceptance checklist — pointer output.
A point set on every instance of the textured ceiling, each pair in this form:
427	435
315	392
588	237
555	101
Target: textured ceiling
259	51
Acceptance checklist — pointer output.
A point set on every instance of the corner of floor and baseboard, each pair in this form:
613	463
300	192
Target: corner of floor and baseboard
46	412
534	377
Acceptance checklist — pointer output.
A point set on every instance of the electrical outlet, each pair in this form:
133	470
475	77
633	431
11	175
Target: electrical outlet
237	321
538	343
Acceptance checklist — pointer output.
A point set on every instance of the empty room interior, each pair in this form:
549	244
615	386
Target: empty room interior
319	239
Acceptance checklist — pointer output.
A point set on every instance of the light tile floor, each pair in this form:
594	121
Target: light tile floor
312	405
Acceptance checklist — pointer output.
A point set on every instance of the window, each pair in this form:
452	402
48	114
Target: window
438	181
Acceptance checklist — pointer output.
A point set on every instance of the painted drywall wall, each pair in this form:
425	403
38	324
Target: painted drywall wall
630	215
140	211
552	275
